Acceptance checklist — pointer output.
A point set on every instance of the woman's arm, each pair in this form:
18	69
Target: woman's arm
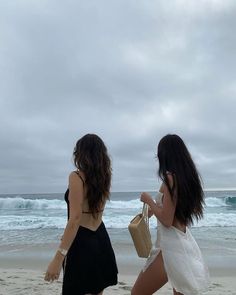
166	213
150	212
76	195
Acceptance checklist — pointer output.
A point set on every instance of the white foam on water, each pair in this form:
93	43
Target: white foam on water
21	203
21	213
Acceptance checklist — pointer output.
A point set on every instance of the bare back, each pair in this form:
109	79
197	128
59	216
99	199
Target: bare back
87	219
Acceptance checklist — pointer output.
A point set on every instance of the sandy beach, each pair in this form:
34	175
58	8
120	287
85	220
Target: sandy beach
25	281
22	268
25	277
31	229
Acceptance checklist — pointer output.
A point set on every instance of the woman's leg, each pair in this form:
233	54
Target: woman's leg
152	279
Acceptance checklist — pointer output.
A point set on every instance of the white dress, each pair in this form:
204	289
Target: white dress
183	262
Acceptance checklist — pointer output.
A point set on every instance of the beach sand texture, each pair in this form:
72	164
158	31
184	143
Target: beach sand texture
24	282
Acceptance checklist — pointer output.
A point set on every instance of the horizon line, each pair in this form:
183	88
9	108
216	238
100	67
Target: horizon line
121	191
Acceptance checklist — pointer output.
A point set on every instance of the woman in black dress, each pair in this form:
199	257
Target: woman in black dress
85	251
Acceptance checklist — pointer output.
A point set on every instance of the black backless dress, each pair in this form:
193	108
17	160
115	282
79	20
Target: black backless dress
90	265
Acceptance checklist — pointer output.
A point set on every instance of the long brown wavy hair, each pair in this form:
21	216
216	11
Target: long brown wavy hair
175	158
91	157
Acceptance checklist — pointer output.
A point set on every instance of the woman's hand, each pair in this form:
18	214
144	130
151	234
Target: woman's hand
54	269
146	198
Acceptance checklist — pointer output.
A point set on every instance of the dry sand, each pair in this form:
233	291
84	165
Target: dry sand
26	281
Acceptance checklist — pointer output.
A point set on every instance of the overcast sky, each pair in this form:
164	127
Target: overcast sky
129	71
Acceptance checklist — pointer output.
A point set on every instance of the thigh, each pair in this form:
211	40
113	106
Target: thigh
152	279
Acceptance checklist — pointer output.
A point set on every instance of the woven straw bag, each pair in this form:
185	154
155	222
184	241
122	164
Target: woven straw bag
139	231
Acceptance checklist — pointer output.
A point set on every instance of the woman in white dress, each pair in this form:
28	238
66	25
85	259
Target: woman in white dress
175	256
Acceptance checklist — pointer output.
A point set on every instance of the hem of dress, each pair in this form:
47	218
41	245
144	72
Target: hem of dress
104	287
150	260
89	291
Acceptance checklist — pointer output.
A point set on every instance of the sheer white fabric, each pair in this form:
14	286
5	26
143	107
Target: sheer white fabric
184	265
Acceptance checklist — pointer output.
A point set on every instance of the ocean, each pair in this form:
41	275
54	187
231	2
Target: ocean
36	221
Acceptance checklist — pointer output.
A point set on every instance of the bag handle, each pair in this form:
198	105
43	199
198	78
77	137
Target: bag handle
145	213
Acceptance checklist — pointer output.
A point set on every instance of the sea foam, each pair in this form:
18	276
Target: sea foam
18	213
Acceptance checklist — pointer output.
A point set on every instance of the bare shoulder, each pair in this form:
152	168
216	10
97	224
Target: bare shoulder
74	178
165	187
170	177
81	174
72	175
172	185
161	190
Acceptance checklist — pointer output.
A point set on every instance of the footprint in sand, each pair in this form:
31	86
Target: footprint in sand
217	285
126	288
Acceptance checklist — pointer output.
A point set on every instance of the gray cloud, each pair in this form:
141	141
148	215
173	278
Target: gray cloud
130	71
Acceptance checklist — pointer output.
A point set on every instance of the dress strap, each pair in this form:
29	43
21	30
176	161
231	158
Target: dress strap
86	212
77	172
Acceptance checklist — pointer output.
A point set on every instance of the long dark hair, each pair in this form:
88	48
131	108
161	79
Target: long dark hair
175	158
91	157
